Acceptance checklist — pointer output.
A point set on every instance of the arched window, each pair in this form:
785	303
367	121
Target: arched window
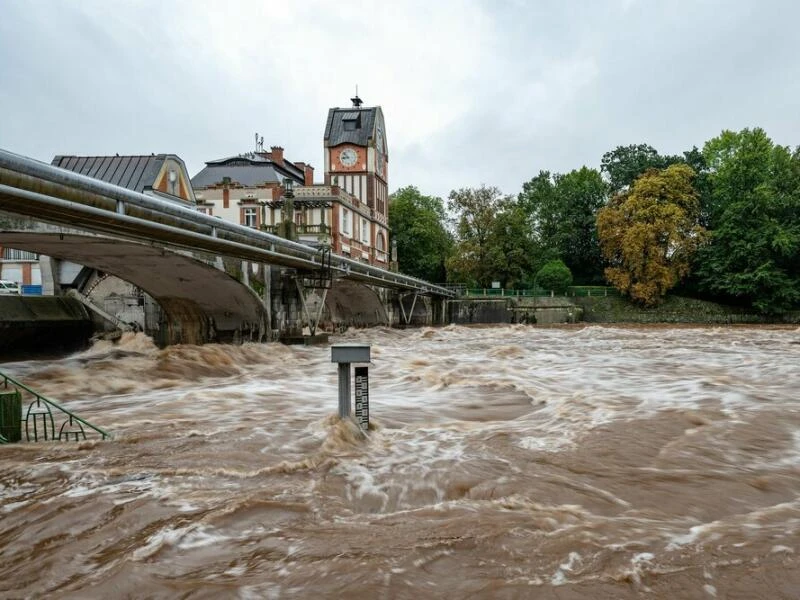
380	242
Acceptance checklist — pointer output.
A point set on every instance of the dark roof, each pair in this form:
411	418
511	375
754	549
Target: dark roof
133	172
249	176
249	170
335	132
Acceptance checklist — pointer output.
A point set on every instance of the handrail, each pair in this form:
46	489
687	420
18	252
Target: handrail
40	398
572	291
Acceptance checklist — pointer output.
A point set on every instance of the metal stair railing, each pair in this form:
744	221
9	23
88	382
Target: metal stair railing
40	422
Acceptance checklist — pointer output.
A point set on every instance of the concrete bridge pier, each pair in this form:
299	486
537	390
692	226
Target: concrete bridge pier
411	309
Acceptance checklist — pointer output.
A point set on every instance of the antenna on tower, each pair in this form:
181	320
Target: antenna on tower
357	102
259	143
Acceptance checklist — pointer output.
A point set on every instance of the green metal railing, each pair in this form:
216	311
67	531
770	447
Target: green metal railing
40	422
573	291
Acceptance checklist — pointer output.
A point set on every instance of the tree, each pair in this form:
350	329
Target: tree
582	194
554	275
540	200
418	226
754	254
511	248
649	233
562	211
625	164
478	257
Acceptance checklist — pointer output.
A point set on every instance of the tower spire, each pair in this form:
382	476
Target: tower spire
357	102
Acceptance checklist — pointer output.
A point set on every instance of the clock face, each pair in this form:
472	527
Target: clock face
348	157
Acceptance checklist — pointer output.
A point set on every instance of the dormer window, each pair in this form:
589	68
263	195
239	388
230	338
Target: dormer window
351	120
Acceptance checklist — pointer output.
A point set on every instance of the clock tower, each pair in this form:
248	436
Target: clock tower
356	157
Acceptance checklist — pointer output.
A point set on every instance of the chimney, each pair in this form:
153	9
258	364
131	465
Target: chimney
308	172
277	154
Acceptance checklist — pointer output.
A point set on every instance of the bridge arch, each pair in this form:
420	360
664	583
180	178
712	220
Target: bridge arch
201	303
357	304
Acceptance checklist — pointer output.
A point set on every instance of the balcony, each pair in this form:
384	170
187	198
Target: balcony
319	228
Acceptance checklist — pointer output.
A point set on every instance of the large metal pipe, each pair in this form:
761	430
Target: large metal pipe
101	221
41	207
34	177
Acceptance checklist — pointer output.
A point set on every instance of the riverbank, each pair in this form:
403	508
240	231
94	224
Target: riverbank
674	309
547	310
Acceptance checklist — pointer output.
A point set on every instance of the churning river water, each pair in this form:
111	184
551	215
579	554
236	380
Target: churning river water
503	462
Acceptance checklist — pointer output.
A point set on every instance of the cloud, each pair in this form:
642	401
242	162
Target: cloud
474	91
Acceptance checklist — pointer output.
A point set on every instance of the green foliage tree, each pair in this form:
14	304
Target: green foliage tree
418	225
562	211
554	275
492	242
754	254
625	164
511	249
649	233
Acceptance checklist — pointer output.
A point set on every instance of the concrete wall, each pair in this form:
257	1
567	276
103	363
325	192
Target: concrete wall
541	310
42	324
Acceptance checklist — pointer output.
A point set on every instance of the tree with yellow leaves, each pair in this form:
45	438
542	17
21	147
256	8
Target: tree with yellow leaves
649	233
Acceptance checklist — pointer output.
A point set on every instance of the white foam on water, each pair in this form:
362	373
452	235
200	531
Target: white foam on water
12	506
267	591
190	537
560	576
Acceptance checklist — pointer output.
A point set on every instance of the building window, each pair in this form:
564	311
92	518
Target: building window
365	231
14	254
346	223
380	242
206	210
250	217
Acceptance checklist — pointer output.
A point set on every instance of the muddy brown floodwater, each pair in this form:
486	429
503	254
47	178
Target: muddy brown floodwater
503	462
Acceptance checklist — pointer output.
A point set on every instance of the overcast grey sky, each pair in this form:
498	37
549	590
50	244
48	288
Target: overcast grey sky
473	91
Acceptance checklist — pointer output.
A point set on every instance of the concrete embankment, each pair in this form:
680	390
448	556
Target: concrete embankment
603	309
42	325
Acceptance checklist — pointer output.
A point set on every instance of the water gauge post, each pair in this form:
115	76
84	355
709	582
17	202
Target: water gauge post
345	355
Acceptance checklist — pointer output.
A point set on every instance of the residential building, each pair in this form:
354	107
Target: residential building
236	188
159	175
21	267
349	212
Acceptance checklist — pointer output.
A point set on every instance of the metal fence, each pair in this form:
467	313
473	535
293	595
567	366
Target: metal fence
45	419
577	291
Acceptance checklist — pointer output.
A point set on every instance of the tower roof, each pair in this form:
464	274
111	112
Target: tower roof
353	125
